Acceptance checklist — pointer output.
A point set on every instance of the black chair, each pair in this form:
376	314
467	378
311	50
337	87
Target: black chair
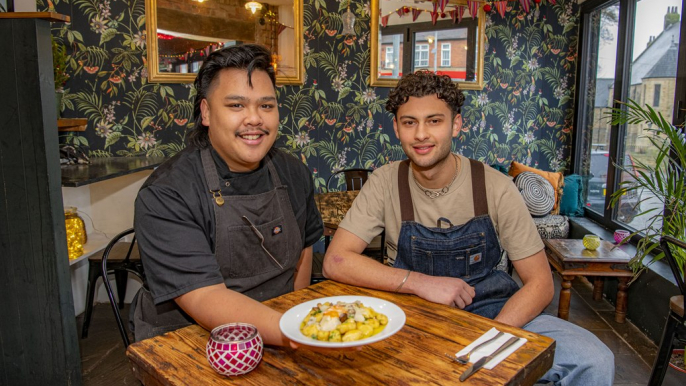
354	178
121	258
676	319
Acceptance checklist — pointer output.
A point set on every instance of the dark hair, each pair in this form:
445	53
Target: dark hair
249	57
423	83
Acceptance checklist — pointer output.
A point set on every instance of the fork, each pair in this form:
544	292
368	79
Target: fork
464	359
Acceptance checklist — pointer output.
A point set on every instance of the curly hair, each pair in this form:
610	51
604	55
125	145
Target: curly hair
249	57
423	83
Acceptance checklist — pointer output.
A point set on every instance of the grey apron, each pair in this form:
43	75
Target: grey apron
470	251
241	222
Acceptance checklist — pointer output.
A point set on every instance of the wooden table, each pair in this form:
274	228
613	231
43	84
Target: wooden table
414	355
333	206
570	258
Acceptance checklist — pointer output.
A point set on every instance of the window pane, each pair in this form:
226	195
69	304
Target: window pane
598	99
653	81
443	51
445	54
421	55
391	56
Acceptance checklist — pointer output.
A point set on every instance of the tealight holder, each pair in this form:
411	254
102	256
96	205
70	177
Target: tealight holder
234	348
591	242
620	235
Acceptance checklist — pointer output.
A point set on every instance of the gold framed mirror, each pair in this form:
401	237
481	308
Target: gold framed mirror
404	39
181	33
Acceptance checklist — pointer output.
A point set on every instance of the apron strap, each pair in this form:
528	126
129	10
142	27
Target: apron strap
406	207
272	171
210	170
479	188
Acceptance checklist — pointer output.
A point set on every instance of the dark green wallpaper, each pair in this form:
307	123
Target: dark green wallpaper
335	120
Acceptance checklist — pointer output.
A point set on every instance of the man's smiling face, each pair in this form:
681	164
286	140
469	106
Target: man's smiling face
243	121
425	127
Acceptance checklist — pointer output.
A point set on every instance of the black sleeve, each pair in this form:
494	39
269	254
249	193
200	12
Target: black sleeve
314	228
301	194
173	243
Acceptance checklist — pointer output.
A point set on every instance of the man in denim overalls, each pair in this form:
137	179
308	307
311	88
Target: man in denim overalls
446	218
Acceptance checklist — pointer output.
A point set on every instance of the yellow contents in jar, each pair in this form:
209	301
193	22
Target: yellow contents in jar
76	232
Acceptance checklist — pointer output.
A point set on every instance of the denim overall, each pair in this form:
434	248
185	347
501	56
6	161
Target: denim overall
469	251
244	265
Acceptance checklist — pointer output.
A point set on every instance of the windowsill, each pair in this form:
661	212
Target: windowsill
582	225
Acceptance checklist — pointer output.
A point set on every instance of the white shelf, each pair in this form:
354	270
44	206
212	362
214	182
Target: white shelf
96	243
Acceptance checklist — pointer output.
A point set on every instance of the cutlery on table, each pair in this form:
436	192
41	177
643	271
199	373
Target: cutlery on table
481	362
464	359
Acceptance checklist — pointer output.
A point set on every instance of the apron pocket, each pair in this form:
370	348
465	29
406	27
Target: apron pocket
248	258
456	257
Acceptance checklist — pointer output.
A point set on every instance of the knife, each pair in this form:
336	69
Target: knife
481	362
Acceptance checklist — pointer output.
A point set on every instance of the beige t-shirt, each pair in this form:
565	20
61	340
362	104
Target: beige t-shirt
378	206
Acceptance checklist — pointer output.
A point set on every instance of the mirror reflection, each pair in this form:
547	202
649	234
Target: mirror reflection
181	33
413	35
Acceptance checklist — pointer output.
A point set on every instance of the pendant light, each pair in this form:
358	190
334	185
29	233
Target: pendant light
253	6
348	19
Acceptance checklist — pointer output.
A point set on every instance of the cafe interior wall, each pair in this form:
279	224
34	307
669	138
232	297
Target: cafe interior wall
334	120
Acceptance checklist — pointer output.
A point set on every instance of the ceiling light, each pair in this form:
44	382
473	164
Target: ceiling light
253	6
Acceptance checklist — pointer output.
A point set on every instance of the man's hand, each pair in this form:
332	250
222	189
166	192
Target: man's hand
440	289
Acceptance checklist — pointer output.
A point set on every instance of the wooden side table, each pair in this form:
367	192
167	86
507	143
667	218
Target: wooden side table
570	258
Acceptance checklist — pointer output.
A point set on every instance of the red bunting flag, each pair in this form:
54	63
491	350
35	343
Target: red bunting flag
400	12
384	20
434	17
416	13
453	15
435	5
442	4
460	13
525	5
280	29
500	6
473	8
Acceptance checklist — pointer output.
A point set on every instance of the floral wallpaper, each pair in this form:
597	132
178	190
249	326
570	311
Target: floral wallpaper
335	120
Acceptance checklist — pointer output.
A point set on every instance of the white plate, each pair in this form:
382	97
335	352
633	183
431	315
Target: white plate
290	321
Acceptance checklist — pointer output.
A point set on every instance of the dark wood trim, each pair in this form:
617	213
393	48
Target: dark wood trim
49	16
72	124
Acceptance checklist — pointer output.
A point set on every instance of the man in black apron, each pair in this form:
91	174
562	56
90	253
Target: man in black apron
445	218
229	221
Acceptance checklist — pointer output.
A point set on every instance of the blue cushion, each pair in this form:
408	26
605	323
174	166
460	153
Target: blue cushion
572	203
500	168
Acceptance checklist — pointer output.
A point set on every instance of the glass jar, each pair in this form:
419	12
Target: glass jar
591	242
76	232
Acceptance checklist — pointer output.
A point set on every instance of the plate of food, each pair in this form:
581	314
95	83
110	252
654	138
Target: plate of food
342	321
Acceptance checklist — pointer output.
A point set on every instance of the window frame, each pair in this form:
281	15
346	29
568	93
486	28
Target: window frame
625	37
443	52
388	51
419	49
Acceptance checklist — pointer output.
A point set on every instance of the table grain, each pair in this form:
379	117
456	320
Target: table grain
413	356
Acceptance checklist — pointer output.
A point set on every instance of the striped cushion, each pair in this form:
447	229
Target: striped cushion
537	192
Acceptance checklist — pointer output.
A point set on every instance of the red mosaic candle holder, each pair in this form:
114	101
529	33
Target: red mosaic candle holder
234	348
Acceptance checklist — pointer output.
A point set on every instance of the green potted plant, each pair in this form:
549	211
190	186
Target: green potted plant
665	181
59	65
